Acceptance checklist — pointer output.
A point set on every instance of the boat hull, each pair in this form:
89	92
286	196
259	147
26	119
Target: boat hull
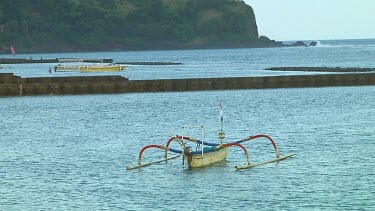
196	161
94	68
63	68
101	68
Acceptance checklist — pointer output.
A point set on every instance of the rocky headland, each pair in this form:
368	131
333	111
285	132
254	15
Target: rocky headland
81	26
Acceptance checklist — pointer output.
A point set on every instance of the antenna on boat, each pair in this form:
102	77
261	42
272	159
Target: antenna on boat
221	133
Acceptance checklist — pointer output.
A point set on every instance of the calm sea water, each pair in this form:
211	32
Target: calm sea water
70	152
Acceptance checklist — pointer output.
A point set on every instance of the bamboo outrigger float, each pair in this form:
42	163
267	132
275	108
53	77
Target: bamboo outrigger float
206	153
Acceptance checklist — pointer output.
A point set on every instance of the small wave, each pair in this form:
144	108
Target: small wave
320	45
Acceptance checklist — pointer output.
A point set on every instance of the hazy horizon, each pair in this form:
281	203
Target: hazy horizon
314	20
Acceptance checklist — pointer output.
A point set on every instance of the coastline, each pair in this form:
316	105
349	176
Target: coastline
269	44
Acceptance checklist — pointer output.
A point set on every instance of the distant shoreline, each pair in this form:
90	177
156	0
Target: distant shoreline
270	44
125	49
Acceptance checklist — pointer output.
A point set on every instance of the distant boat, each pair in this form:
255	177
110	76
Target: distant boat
1	66
98	68
66	68
89	68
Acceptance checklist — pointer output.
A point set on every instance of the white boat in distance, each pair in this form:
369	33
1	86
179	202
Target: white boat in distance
89	68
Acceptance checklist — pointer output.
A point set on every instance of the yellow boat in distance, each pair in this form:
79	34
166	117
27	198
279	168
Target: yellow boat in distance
98	68
1	66
89	68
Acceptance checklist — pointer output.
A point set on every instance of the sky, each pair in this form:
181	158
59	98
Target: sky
284	20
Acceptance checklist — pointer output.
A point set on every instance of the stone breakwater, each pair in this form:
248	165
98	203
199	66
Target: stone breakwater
67	60
322	69
11	85
41	60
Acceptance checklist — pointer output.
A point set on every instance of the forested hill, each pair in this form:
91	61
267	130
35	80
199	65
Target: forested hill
91	25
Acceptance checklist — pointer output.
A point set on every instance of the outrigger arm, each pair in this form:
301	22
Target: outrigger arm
278	157
157	161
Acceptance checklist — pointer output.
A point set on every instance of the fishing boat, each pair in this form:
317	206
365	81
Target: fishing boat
207	153
99	68
89	68
66	68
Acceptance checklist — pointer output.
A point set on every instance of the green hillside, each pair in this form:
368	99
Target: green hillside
91	25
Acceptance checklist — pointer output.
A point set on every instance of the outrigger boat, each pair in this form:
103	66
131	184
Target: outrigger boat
89	68
104	68
66	68
206	153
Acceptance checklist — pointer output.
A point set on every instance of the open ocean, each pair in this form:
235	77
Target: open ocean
70	152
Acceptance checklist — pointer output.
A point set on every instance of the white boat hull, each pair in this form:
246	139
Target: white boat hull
64	68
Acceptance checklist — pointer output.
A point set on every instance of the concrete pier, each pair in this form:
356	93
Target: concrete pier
150	63
57	60
67	60
10	84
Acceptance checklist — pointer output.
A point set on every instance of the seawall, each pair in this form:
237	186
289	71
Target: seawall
41	60
323	69
11	85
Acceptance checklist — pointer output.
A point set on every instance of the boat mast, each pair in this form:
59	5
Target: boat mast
221	133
